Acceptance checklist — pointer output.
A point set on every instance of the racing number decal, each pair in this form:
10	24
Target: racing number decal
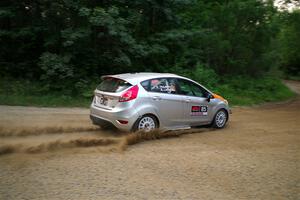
199	111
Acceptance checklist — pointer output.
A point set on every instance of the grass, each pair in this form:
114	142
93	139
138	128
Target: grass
44	100
293	78
244	91
238	91
27	93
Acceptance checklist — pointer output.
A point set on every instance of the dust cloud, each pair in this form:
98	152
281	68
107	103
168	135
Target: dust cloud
34	141
7	132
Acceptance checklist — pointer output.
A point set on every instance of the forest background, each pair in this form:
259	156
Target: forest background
53	52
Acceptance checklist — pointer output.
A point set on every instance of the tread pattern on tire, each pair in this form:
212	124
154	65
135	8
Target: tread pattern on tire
214	120
135	126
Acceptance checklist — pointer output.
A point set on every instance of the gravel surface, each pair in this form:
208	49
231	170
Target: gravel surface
55	153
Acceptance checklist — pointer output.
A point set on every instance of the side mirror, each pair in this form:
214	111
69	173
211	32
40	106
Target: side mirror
209	97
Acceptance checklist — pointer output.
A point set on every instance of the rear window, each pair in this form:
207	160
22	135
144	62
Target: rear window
113	85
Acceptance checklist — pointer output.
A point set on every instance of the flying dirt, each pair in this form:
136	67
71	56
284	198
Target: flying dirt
37	130
56	153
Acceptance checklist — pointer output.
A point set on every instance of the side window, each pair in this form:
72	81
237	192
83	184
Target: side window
145	85
191	89
173	86
185	88
161	85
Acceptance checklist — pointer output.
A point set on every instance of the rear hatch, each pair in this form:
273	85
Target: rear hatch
108	92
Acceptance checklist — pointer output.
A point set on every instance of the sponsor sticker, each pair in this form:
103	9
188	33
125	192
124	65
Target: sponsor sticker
199	111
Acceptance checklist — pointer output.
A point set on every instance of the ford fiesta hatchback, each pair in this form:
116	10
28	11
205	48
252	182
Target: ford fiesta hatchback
145	101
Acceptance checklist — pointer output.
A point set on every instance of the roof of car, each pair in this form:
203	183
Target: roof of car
135	78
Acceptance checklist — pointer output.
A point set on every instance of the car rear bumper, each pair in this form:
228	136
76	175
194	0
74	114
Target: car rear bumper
99	121
105	117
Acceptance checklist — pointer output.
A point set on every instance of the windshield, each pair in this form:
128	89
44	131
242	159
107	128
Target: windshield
110	84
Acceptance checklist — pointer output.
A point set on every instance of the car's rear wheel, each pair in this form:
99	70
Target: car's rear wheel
146	123
220	119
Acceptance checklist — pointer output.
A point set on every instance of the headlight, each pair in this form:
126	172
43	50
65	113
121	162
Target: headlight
226	101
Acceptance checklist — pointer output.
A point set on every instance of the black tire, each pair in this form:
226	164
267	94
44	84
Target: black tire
146	119
220	119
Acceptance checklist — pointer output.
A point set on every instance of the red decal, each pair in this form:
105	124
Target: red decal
195	108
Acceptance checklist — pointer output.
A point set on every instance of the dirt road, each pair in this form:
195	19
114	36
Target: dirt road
55	153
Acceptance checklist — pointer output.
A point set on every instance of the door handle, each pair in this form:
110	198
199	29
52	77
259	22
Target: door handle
156	98
187	100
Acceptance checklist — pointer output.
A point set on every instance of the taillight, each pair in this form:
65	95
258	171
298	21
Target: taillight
129	94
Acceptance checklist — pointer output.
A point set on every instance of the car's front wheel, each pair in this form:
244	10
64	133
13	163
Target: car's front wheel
220	119
146	123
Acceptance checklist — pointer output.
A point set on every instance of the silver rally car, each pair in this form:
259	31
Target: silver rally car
145	101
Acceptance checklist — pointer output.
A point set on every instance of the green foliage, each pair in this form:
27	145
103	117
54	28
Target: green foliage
289	44
67	45
202	74
236	34
56	70
238	91
243	90
29	93
48	100
106	37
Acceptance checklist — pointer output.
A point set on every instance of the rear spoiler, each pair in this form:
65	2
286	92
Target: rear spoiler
106	76
113	76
